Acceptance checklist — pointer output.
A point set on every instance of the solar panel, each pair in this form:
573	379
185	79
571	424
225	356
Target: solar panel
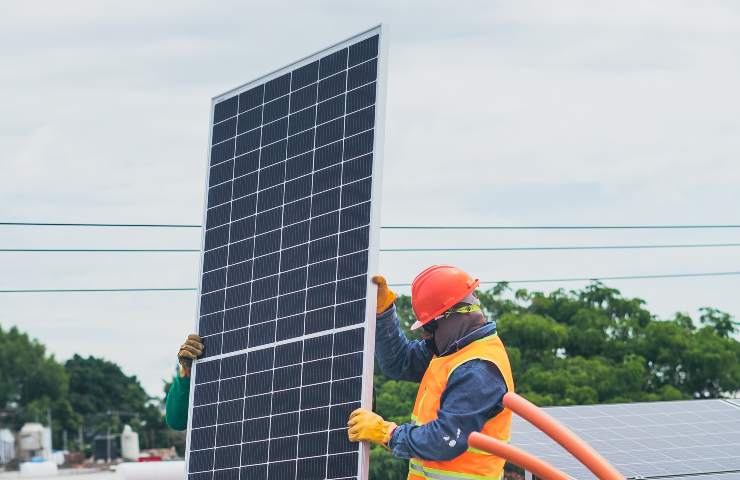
645	440
290	236
707	476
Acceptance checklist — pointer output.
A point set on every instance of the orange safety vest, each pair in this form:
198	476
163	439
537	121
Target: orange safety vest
472	464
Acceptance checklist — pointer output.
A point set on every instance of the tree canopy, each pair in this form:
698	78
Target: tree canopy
89	393
31	381
106	397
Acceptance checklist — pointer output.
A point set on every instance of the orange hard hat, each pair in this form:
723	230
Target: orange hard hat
437	289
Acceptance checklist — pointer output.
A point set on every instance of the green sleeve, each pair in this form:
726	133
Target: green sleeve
176	405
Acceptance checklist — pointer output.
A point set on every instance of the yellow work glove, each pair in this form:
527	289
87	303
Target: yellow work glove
366	426
386	297
189	351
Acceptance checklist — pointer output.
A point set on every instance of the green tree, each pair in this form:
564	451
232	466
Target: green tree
97	385
89	392
108	398
32	384
719	321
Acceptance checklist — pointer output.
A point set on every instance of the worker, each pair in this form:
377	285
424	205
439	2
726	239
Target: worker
178	396
464	373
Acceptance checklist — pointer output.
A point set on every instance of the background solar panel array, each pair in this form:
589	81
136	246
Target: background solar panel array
709	476
645	440
284	272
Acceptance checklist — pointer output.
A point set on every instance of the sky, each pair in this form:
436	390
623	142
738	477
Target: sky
498	113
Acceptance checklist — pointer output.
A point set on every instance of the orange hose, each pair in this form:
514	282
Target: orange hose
516	456
561	434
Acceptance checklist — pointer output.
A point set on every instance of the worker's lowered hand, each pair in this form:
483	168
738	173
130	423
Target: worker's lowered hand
189	351
366	426
386	297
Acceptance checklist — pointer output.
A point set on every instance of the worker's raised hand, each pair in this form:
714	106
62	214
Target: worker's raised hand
366	426
189	351
386	296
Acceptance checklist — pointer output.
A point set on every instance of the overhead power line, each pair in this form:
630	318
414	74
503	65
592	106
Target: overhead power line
602	278
97	290
488	282
99	250
576	247
554	227
133	225
400	227
396	250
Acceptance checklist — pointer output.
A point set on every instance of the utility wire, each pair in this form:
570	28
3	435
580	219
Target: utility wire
392	250
135	225
97	250
541	280
582	247
402	227
95	290
554	227
584	279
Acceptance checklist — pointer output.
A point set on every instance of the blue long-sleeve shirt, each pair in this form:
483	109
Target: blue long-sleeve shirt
473	395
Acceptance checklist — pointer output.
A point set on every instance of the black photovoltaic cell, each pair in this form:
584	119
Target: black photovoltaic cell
284	276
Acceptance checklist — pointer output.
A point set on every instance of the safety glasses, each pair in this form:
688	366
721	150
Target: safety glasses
432	326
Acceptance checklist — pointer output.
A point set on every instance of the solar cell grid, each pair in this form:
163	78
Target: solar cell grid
288	396
645	440
287	247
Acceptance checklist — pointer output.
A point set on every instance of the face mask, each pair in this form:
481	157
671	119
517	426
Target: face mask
455	327
430	327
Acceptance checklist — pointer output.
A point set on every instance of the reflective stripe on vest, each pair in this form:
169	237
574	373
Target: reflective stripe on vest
473	463
417	470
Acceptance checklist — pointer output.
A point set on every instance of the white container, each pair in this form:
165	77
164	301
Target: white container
38	469
129	444
32	437
57	457
7	446
46	452
151	471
